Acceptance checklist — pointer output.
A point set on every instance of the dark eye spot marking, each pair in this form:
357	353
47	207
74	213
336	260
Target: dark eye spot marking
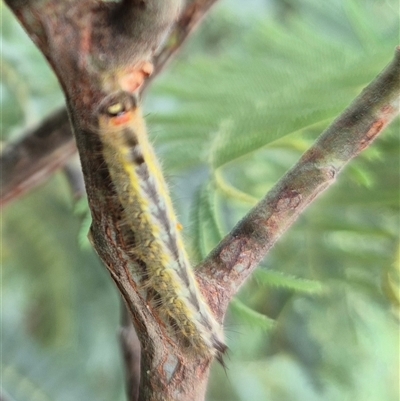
136	156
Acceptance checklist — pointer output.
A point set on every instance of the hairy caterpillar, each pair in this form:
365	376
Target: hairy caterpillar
149	214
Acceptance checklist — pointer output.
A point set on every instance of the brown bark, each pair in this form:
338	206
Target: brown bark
34	158
239	253
64	32
169	371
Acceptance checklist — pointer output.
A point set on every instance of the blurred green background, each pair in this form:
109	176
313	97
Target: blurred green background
319	320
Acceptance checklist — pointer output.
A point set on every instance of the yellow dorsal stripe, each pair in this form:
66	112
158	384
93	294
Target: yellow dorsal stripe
149	214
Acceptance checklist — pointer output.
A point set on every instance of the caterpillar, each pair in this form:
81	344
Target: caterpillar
149	215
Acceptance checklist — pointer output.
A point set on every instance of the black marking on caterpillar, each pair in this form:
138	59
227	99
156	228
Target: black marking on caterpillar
148	213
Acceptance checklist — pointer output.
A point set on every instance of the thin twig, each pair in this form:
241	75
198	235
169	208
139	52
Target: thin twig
26	164
240	252
188	22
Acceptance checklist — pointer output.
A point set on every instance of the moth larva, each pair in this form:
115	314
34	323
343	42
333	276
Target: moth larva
149	214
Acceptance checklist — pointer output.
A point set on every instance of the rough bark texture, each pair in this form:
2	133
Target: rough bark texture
239	253
64	31
35	157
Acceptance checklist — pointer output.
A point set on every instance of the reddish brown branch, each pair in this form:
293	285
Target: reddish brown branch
66	33
239	253
26	164
169	371
187	24
26	167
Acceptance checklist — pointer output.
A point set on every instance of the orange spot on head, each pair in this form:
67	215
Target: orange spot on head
179	226
122	119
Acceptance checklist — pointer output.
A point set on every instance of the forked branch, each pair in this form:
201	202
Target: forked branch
240	252
76	45
168	370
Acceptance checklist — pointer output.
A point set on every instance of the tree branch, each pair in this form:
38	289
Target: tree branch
32	160
65	31
189	20
35	157
240	252
76	36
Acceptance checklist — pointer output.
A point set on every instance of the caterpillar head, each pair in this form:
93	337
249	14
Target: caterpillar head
117	103
117	110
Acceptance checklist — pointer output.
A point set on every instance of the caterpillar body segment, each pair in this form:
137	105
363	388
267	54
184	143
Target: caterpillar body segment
149	214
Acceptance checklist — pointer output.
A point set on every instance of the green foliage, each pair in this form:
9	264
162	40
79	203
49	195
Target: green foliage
82	209
59	306
29	88
281	280
319	320
205	229
250	317
284	74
